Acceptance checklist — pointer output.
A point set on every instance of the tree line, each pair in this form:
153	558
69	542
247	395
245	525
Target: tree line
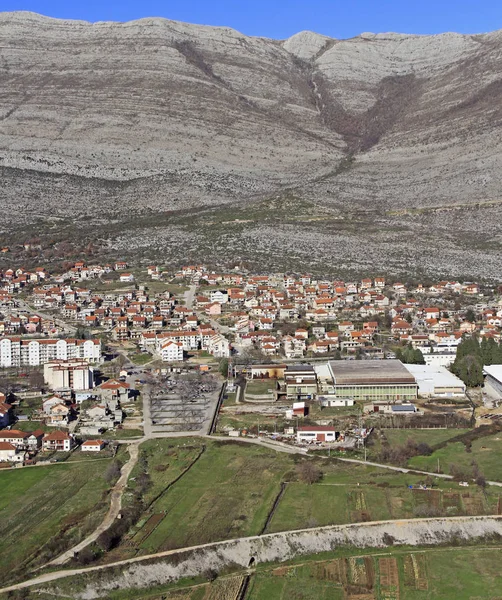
472	356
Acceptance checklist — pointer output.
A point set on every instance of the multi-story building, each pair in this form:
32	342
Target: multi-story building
69	375
18	352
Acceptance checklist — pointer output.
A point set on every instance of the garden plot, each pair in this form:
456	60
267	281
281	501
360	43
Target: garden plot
415	571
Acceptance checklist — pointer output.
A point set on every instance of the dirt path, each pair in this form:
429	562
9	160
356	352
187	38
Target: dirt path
406	470
274	547
113	511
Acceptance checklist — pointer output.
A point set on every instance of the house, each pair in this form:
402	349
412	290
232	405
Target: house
92	446
9	453
113	390
15	437
50	402
60	441
59	415
218	346
213	309
34	440
315	433
127	277
5	412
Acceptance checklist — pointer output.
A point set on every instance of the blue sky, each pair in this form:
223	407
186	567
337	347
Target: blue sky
282	18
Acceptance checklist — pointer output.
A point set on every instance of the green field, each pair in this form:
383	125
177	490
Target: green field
44	510
428	436
230	489
140	358
436	574
227	493
485	452
380	495
259	387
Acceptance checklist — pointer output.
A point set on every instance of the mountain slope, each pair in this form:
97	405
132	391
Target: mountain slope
155	132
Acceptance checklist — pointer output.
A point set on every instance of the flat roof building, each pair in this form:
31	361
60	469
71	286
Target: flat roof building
436	382
373	380
300	382
493	380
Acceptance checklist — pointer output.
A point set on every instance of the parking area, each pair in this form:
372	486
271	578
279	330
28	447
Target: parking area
182	404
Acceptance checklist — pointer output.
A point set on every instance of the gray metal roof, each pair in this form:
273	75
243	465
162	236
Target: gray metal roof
370	372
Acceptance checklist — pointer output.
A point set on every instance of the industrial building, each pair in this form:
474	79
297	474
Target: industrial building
436	382
300	382
493	381
369	380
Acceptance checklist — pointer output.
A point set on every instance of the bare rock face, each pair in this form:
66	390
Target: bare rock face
397	131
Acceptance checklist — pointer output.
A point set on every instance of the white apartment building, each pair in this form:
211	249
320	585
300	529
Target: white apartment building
171	351
19	352
218	346
75	375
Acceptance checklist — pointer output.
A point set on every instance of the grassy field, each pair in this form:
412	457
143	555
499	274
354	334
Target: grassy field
43	510
227	493
230	489
485	452
444	574
428	436
380	495
140	358
260	388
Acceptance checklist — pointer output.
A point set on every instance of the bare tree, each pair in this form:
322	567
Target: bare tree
308	472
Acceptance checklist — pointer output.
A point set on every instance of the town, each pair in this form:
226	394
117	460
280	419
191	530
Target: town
117	350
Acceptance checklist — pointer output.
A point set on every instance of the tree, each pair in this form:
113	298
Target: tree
470	316
308	472
424	449
223	367
418	357
36	379
112	473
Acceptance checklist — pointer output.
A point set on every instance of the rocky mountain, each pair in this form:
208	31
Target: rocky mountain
172	141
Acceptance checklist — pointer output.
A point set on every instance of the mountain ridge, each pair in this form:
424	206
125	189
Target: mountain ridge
368	134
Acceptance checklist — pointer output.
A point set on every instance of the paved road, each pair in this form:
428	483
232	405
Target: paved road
189	296
147	417
58	321
113	511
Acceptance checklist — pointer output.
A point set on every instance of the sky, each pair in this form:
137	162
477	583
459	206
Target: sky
282	18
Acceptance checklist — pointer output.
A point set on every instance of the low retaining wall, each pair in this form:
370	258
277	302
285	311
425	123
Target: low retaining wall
166	567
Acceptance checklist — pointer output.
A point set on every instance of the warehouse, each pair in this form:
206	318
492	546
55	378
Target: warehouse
493	381
372	380
436	382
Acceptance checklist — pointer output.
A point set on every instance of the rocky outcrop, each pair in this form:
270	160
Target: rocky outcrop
158	115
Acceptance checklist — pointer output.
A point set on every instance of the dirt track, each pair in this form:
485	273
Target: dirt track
165	567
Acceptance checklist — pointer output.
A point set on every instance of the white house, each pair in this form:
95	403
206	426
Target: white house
92	446
9	453
315	433
171	351
335	401
220	296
